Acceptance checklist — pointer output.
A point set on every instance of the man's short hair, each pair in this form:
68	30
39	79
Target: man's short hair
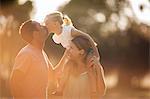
26	30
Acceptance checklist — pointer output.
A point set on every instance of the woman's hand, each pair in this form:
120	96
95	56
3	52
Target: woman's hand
92	66
57	92
92	79
67	54
92	72
92	62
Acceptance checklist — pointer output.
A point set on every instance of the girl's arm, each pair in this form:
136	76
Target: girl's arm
75	32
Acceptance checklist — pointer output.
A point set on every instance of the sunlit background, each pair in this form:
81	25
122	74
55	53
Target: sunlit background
42	8
121	29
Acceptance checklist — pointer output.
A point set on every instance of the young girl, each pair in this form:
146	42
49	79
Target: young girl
65	36
64	32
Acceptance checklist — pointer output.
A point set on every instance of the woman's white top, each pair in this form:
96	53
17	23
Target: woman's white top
65	37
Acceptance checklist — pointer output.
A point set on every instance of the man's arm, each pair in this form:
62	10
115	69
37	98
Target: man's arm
21	65
75	32
16	83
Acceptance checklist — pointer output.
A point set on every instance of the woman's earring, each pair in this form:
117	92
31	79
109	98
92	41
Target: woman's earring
81	53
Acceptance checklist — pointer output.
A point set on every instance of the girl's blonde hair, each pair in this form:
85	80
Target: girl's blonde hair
56	16
62	19
67	20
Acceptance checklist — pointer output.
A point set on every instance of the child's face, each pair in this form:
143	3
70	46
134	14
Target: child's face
52	25
48	23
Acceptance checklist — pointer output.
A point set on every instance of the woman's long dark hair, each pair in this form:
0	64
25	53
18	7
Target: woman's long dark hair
82	42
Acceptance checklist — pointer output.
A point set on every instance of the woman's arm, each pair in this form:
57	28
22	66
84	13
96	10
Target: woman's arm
65	75
64	78
75	32
58	68
100	79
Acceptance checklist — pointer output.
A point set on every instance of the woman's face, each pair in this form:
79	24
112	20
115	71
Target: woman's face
74	52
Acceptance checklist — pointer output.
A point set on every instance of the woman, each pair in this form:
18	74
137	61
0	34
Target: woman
79	75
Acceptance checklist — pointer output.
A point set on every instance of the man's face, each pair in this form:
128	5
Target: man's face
42	32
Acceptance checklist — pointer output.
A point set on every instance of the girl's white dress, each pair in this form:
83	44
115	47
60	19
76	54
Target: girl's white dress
65	37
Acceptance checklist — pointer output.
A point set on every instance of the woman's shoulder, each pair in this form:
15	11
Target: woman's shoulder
69	65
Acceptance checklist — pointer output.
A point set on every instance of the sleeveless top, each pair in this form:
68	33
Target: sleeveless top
65	37
77	87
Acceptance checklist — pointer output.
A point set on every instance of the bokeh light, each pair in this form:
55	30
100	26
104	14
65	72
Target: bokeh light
121	28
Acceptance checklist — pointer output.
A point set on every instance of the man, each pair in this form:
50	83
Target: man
29	76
